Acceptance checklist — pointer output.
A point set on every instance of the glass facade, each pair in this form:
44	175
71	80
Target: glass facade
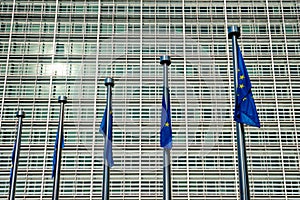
51	48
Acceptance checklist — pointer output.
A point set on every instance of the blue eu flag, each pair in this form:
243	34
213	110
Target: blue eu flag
55	151
109	155
245	109
166	127
12	161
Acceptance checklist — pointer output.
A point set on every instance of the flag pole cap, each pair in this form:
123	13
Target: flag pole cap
165	59
234	30
62	99
20	113
109	81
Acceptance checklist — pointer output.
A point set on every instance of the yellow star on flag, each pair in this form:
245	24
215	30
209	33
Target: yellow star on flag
167	124
242	77
242	86
244	99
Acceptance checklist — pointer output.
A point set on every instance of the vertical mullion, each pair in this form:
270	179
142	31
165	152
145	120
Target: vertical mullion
49	99
141	82
95	99
230	86
289	78
276	99
7	61
186	98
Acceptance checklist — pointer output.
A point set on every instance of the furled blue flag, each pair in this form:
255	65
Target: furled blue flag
245	109
55	151
109	155
166	127
12	161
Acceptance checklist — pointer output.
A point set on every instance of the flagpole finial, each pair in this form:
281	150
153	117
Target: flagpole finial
20	113
62	99
109	81
234	30
165	59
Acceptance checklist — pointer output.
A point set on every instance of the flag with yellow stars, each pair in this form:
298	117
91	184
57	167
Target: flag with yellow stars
109	155
166	128
55	151
245	109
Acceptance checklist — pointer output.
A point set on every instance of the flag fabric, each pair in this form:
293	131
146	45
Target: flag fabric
12	161
55	151
109	154
166	126
245	109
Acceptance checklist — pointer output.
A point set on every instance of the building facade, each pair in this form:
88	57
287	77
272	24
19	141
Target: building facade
51	48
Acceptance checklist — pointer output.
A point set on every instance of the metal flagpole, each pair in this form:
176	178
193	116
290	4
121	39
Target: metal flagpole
109	83
55	195
167	194
234	33
20	114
